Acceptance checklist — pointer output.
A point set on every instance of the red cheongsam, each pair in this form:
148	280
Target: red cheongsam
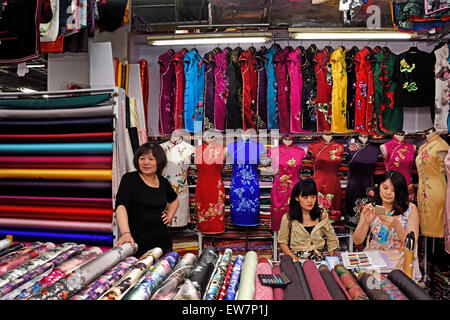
324	88
249	88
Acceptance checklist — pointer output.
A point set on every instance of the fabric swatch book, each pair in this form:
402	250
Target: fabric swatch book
366	260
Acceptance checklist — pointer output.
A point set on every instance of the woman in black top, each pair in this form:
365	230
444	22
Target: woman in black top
146	202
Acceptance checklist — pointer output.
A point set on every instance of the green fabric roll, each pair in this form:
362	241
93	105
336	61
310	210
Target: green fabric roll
55	103
248	276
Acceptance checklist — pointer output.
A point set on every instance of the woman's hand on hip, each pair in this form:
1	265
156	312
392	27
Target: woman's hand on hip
125	238
166	218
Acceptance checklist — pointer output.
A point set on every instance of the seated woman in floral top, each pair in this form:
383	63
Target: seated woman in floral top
302	229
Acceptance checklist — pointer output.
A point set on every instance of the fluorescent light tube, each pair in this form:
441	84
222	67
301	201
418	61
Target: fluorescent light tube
352	36
180	42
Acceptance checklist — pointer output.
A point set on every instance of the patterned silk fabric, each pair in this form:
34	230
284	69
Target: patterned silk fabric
16	259
202	271
248	276
234	280
391	289
97	288
226	281
153	278
132	277
219	276
350	283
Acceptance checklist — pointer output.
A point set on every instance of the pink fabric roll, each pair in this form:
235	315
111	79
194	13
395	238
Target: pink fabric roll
85	226
57	201
57	162
316	285
278	293
263	292
341	285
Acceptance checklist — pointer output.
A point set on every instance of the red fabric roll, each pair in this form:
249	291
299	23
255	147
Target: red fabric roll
66	137
56	213
57	162
57	201
278	293
316	285
341	285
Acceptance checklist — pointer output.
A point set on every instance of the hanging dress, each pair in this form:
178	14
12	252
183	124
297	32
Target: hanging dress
351	86
247	62
221	89
286	163
194	73
447	205
365	117
400	157
327	157
210	191
441	71
261	90
309	90
178	62
432	186
280	60
362	161
178	155
244	190
166	93
272	88
339	92
208	105
234	101
389	115
294	65
324	86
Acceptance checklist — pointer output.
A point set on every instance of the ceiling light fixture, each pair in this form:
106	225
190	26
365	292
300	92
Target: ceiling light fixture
353	36
27	90
214	38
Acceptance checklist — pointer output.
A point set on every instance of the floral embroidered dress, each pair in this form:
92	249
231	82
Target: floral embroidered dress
194	73
447	205
244	190
247	62
234	99
210	191
324	78
208	102
351	86
362	161
432	186
309	90
365	117
281	71
221	89
339	92
400	157
286	163
178	64
389	115
327	157
294	65
178	154
166	93
261	92
393	242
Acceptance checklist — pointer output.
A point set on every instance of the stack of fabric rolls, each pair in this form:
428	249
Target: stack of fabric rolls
56	168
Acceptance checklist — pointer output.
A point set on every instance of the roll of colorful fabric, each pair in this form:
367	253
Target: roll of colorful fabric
203	269
340	284
12	261
34	263
57	201
372	287
408	286
212	293
57	113
263	292
153	278
235	277
57	225
71	284
331	284
61	271
295	289
97	288
248	275
5	243
226	281
316	285
303	281
350	283
97	148
170	287
10	256
56	174
57	162
387	286
132	277
62	137
14	248
187	291
13	288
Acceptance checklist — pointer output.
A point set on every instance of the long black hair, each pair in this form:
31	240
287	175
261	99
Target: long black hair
305	187
401	200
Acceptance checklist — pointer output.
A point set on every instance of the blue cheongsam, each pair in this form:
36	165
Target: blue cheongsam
244	191
272	104
194	74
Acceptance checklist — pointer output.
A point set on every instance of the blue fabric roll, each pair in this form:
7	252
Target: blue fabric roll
234	280
57	148
102	239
